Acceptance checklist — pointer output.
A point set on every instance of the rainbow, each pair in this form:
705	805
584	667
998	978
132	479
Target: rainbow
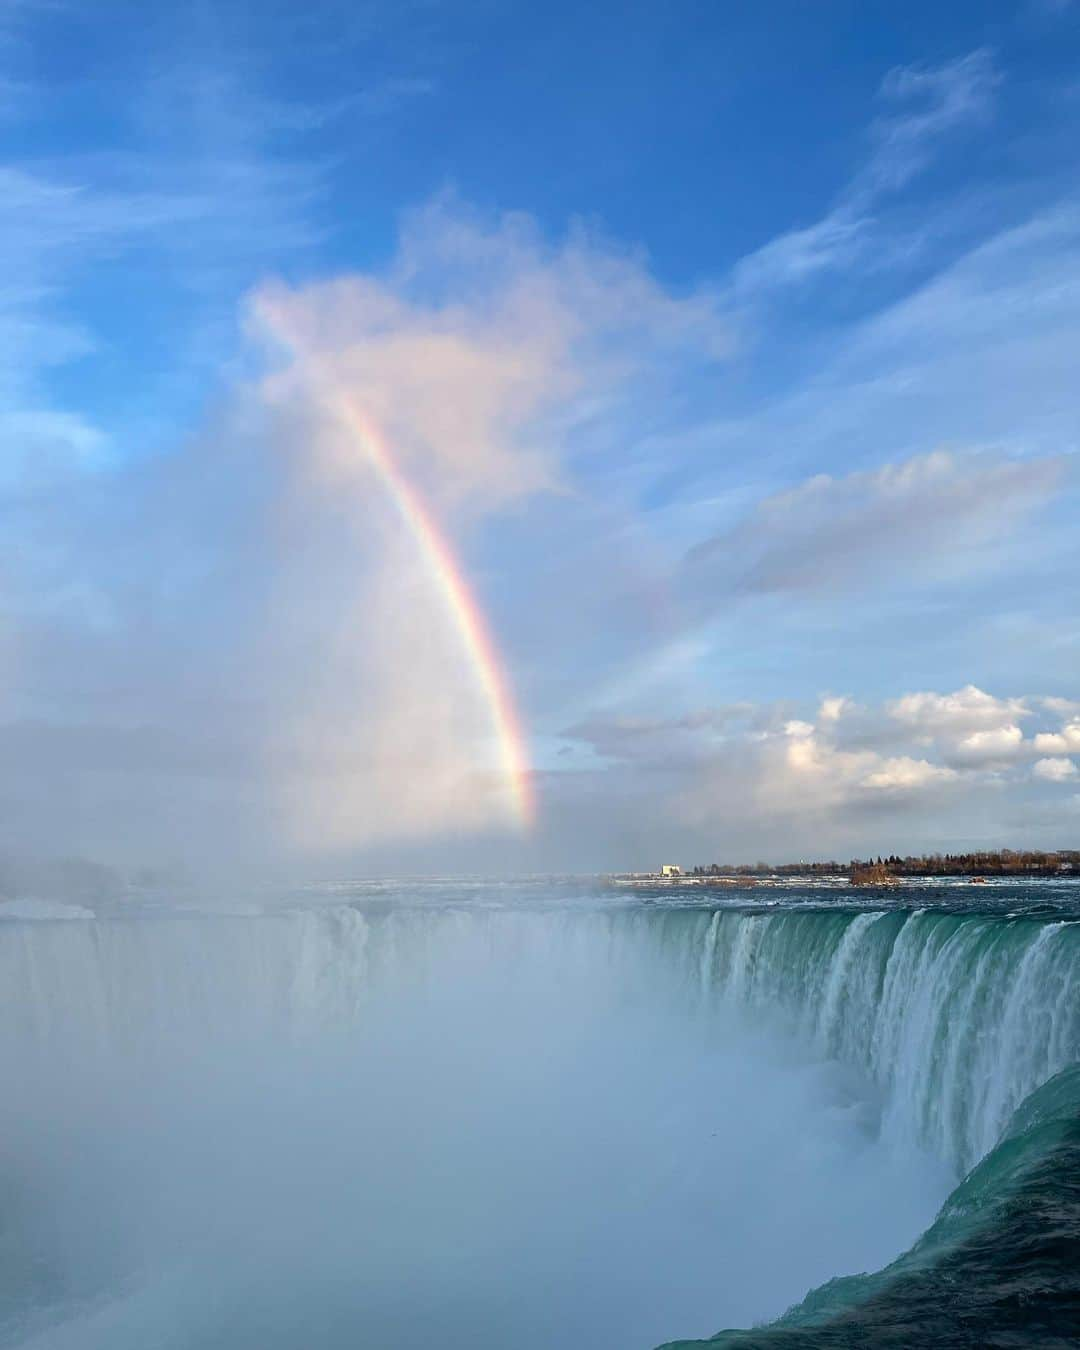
443	568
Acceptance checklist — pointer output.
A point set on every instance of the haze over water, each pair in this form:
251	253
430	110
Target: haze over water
470	1115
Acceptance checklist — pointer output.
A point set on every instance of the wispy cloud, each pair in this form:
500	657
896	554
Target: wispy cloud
929	514
933	101
194	214
974	357
929	104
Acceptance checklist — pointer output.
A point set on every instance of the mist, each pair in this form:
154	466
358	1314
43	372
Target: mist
231	650
417	1127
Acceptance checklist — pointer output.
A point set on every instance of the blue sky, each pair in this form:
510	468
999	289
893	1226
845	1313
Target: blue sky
732	347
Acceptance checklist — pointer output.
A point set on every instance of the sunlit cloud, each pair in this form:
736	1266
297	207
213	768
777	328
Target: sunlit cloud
1055	770
817	782
311	556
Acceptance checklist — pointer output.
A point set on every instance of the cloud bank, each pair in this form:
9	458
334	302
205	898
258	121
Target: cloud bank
758	779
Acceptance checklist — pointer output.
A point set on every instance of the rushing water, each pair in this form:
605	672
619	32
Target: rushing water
544	1114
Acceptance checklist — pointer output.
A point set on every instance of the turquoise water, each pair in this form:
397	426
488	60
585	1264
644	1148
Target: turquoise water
543	1113
967	1013
1000	1265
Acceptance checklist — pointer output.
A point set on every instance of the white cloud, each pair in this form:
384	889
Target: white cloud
815	775
806	785
1065	741
1066	706
1054	770
962	713
780	772
992	746
971	727
904	774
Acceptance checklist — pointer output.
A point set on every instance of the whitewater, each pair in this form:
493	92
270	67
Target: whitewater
542	1113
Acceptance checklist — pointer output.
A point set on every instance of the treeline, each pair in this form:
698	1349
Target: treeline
995	862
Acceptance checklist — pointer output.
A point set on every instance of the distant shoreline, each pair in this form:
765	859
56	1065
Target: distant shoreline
1062	865
766	880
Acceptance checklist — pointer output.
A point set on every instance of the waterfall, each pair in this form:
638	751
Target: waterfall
230	1084
957	1017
